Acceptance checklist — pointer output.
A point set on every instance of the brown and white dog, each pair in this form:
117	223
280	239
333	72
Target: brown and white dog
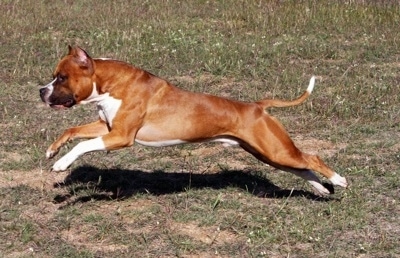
136	106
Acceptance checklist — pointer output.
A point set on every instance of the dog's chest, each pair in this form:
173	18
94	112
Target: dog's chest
108	108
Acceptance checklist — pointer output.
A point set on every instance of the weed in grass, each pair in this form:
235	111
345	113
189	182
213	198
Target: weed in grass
27	232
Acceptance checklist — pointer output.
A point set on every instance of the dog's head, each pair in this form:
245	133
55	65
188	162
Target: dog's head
72	80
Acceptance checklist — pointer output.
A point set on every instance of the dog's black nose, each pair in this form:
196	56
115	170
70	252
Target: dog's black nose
42	91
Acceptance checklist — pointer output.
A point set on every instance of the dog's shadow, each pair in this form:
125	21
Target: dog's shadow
111	184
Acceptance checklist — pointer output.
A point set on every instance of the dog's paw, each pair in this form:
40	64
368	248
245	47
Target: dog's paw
321	190
336	179
57	167
50	153
62	164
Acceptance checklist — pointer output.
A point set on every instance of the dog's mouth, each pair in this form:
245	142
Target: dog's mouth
63	105
55	99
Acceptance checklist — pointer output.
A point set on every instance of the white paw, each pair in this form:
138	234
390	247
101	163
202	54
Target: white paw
320	189
336	179
63	163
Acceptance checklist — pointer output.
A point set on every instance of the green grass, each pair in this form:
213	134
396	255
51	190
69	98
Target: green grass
206	200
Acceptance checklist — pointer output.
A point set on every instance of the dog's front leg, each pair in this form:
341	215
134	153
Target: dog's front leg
111	141
81	148
92	130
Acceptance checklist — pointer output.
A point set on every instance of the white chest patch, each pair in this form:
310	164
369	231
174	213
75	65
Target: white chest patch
107	105
94	96
108	108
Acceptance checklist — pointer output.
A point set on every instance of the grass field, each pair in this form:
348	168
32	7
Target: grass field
206	200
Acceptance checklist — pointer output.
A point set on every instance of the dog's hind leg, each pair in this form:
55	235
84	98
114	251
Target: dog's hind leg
309	176
295	169
279	151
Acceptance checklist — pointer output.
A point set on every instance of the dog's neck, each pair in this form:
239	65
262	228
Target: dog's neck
107	75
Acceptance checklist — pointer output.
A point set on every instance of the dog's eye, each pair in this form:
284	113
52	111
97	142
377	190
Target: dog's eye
61	78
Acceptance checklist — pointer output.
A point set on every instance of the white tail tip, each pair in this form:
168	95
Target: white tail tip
311	85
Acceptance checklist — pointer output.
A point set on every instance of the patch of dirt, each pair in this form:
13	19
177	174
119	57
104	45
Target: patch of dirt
396	147
203	150
13	156
318	147
82	238
38	179
207	235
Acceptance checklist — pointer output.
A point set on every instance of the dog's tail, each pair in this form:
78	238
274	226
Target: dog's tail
266	103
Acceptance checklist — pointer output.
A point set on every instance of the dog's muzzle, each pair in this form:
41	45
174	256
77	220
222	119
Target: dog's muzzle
58	100
42	92
45	93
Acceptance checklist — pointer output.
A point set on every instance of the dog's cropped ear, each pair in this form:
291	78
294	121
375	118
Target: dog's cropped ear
81	57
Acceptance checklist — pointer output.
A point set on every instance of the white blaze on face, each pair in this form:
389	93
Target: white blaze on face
49	90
